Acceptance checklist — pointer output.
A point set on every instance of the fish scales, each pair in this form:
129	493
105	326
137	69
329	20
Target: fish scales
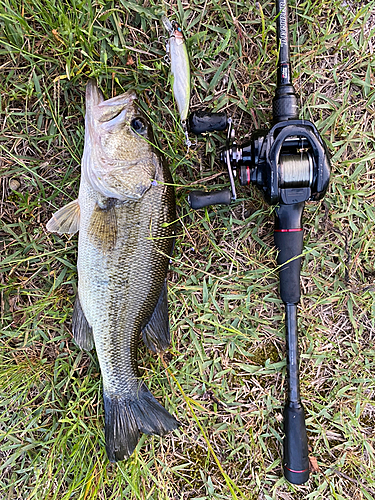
125	215
126	282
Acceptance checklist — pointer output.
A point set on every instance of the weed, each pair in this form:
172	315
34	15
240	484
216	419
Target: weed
224	374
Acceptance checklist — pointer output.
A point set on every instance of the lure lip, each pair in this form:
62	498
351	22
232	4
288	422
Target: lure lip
167	24
172	27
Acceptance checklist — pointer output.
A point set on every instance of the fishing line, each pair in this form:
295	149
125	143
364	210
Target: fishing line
296	6
299	54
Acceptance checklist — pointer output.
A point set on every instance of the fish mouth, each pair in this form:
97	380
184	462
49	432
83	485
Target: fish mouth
106	110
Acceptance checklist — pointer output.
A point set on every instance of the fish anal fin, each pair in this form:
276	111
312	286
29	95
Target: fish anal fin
82	331
156	334
103	227
127	416
65	220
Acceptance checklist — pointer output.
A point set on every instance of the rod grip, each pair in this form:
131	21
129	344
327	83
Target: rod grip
290	246
296	458
200	199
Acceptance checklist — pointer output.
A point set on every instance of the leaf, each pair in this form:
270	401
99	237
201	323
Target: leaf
224	43
313	462
131	6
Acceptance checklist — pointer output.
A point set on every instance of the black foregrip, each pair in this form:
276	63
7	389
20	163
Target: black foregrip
200	199
290	245
202	122
285	104
296	459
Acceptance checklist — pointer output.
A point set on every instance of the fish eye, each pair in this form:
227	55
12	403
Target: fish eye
138	125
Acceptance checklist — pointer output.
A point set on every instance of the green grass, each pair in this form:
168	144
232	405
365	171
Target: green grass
224	374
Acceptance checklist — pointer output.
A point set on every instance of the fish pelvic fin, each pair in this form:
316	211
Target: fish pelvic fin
127	416
82	331
156	334
103	227
65	220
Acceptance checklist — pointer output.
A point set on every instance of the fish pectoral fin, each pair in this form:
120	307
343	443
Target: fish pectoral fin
65	220
156	334
82	331
103	228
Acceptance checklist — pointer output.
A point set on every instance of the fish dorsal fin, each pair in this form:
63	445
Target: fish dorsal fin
65	220
82	331
103	227
156	333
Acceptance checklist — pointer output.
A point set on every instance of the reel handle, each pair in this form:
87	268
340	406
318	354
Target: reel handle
201	199
199	123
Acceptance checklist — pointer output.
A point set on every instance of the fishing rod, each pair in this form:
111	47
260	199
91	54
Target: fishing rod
290	165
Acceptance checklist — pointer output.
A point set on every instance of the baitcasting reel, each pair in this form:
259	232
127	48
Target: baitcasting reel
290	165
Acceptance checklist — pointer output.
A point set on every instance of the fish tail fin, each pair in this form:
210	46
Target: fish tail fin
127	416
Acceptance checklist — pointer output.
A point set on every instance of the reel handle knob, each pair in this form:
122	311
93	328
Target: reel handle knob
201	122
200	199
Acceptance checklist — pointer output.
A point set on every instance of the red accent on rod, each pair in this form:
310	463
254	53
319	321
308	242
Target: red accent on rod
248	175
296	471
288	230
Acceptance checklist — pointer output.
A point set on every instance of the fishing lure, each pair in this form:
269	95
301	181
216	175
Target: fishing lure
180	69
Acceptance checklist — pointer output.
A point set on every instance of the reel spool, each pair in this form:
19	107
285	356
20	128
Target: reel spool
296	170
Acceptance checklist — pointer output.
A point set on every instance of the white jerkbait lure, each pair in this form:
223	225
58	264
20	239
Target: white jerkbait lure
180	69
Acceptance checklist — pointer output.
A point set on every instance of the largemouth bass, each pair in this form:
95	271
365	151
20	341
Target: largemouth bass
124	213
